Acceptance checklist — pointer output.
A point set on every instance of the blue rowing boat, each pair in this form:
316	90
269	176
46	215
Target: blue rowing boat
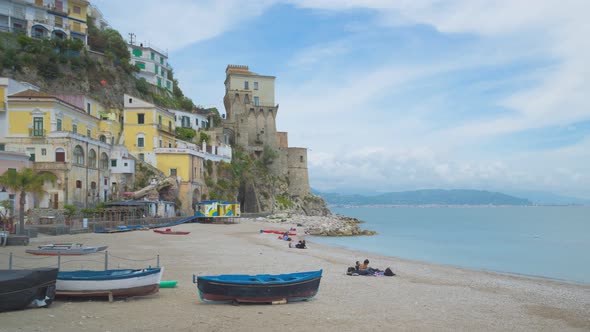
260	288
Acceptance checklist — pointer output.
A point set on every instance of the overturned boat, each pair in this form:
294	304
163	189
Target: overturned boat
28	288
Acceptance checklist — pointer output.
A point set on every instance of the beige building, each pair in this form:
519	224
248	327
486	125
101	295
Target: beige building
250	121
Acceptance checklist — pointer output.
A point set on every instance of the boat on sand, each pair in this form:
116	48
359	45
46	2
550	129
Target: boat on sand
72	249
260	288
111	283
170	232
31	288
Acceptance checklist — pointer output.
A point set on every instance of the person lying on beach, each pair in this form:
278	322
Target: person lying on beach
301	245
364	266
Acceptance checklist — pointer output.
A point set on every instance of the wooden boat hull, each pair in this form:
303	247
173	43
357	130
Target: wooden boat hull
171	232
216	290
120	283
20	289
65	249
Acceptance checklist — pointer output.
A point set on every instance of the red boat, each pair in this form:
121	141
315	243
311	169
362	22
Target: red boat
276	232
170	232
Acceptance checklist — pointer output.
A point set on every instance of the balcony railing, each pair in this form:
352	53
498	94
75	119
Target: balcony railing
37	132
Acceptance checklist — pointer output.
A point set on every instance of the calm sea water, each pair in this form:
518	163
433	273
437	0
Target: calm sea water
551	242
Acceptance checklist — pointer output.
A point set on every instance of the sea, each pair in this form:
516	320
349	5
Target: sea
542	241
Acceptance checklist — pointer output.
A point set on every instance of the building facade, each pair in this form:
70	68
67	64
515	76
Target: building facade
153	65
59	138
16	161
61	19
250	121
184	119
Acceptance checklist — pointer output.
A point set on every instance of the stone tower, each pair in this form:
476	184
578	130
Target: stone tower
250	121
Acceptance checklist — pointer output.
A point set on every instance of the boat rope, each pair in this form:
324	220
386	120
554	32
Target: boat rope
48	283
33	258
133	260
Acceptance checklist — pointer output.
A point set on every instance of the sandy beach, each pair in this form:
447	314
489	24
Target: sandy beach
422	297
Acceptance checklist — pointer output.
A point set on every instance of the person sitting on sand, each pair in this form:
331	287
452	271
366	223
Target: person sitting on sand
364	266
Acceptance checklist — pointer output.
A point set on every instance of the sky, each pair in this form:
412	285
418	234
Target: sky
398	95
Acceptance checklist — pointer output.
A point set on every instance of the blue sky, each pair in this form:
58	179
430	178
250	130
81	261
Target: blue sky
399	95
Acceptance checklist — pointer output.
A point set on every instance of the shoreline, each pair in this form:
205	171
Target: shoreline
423	296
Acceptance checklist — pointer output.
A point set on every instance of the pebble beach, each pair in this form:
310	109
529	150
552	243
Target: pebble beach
422	297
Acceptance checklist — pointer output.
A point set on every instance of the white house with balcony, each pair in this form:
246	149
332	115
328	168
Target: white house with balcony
184	119
152	63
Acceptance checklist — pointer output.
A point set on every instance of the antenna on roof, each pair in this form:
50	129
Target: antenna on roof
131	38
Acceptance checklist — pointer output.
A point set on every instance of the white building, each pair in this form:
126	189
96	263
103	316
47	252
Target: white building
60	19
186	119
152	63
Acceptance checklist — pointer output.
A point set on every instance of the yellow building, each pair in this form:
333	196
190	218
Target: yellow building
61	134
146	127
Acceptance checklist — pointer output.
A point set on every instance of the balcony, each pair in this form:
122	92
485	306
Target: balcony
165	129
37	132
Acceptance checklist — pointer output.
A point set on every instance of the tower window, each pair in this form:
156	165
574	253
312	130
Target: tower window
246	85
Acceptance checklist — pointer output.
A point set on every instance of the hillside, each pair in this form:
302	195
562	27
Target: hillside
427	197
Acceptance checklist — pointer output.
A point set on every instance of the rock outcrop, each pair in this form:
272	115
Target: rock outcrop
330	225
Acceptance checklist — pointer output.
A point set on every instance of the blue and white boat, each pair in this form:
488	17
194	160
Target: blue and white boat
111	283
260	288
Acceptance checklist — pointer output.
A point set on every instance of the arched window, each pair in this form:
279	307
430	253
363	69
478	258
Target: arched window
103	138
92	158
78	155
104	161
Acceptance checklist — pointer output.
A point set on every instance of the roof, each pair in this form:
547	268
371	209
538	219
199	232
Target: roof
32	94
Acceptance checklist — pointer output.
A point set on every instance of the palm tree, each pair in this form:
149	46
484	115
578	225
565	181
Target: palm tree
25	181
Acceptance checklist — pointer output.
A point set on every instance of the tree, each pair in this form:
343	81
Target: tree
25	181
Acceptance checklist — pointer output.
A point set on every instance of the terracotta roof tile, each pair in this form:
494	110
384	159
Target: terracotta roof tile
32	94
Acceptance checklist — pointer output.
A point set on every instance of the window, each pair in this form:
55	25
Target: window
168	85
102	138
256	101
88	132
137	52
173	172
78	155
37	126
60	155
159	82
93	185
156	69
247	99
125	164
161	60
43	152
104	161
75	128
197	123
169	144
140	118
160	119
160	144
152	55
2	147
246	85
141	157
78	184
140	65
58	125
77	10
140	142
88	108
113	162
169	125
255	85
92	158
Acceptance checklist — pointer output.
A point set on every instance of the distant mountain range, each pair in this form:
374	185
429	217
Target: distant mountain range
426	197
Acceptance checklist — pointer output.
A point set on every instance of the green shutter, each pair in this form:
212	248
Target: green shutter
152	56
137	52
157	69
168	84
159	81
140	65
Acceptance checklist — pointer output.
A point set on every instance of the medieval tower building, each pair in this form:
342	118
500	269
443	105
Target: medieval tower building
250	122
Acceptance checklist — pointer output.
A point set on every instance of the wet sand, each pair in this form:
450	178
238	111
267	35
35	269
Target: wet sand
422	297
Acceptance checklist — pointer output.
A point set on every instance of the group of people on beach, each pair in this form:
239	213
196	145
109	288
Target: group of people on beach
365	270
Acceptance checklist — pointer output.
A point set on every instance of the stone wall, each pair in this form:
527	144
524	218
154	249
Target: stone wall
298	175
